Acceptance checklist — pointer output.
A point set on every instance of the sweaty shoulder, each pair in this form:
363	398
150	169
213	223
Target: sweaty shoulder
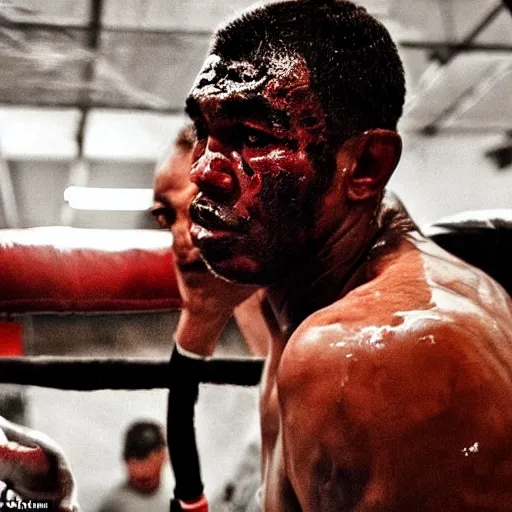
426	330
416	288
415	365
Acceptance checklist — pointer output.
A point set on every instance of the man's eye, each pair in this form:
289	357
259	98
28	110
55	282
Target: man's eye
201	131
165	217
256	138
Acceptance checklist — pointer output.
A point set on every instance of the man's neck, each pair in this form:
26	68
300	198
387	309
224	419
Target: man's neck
338	263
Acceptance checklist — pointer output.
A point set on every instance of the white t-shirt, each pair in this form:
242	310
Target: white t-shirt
124	498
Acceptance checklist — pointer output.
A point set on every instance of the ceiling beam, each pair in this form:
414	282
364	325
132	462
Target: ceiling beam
456	48
508	5
79	169
445	57
69	28
94	105
93	43
436	70
451	130
472	95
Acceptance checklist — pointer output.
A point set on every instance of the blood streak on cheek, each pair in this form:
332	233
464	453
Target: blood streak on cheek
271	166
279	162
307	118
267	172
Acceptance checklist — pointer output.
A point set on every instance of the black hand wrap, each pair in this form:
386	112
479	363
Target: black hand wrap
185	376
175	506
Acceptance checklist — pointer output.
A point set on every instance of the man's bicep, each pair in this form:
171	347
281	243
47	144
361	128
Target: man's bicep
389	428
360	388
325	458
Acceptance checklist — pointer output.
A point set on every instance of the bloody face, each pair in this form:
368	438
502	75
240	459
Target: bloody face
258	128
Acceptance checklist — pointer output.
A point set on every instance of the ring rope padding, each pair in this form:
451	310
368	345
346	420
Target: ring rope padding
91	374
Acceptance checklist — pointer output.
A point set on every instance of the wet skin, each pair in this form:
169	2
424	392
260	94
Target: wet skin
388	382
254	209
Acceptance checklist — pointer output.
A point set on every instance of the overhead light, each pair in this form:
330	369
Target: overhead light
115	199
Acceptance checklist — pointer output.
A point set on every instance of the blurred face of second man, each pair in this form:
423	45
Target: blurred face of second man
173	193
144	474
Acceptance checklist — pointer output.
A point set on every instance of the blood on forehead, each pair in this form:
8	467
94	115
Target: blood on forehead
220	78
290	91
282	81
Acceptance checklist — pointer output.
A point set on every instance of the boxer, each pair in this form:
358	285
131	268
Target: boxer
388	381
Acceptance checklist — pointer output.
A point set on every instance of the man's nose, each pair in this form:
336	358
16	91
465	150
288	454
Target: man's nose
214	175
182	240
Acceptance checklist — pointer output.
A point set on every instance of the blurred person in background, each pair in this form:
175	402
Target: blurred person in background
204	296
146	488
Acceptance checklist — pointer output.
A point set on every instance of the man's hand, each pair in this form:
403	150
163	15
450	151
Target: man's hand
204	293
208	303
35	467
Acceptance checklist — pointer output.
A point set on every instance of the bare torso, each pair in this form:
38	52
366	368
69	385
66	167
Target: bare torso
395	397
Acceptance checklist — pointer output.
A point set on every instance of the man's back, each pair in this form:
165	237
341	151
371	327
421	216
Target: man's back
397	397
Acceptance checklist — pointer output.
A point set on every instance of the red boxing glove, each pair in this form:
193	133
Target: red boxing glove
201	505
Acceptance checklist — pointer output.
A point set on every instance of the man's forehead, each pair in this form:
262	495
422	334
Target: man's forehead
219	76
173	170
237	88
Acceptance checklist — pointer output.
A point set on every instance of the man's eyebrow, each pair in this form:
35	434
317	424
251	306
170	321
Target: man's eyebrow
257	108
252	107
160	201
157	205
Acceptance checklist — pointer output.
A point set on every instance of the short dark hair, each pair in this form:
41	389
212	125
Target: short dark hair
142	438
186	138
354	65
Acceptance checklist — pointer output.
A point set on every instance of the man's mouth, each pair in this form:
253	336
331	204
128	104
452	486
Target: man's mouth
216	217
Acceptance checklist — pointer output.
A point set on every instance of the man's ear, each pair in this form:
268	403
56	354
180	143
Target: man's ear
373	156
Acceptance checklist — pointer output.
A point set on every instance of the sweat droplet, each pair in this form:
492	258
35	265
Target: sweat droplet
471	449
429	339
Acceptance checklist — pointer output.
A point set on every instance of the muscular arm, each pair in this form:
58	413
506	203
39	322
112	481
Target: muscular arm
208	302
420	422
252	325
